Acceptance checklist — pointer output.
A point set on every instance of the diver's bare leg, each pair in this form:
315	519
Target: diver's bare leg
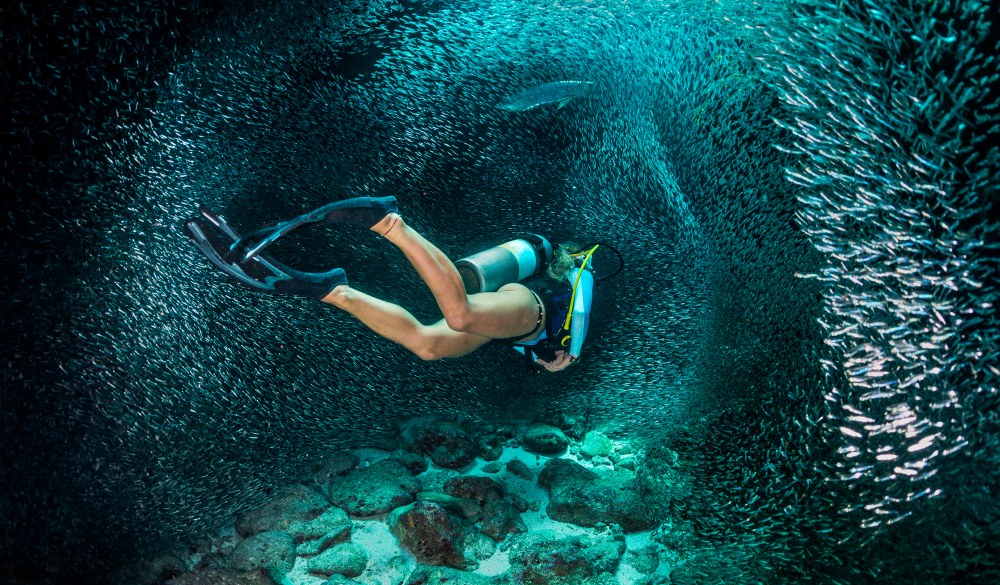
429	342
510	312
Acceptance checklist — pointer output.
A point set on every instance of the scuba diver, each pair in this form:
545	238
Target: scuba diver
478	296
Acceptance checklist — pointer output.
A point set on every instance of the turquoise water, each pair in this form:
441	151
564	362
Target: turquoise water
803	194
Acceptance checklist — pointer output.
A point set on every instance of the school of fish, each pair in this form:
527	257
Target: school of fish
804	194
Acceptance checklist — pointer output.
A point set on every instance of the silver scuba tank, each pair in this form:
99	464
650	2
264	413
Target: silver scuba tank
509	262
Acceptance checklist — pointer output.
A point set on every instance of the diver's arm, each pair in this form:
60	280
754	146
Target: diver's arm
582	303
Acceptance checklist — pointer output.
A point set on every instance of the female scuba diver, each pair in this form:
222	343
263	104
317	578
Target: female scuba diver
480	301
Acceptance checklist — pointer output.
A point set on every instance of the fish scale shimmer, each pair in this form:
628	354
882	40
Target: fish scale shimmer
804	194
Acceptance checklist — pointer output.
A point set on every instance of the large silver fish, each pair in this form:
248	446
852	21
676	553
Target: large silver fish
557	92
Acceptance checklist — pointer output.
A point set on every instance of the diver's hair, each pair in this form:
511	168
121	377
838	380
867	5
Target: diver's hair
562	261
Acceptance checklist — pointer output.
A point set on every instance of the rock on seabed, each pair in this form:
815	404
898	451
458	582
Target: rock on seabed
453	522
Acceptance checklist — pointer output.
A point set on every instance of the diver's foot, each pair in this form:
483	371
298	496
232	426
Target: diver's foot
315	285
385	225
336	296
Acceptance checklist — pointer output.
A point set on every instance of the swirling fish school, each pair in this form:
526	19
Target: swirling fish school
806	189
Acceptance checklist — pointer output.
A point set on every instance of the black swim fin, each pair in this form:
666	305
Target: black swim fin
363	211
216	240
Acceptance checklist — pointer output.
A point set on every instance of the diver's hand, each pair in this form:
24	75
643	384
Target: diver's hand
562	361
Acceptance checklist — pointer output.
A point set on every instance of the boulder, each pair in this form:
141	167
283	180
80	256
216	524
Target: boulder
676	536
573	426
432	535
293	505
545	440
416	463
462	507
596	444
599	461
373	490
519	469
492	468
340	463
272	551
519	502
449	576
347	559
559	473
396	570
662	475
547	557
222	577
491	447
500	518
445	442
644	560
330	528
580	496
480	489
479	546
505	431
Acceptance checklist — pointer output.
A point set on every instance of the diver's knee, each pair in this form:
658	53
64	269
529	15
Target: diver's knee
459	319
428	352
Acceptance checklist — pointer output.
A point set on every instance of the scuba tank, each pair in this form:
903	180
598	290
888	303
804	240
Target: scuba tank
510	262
